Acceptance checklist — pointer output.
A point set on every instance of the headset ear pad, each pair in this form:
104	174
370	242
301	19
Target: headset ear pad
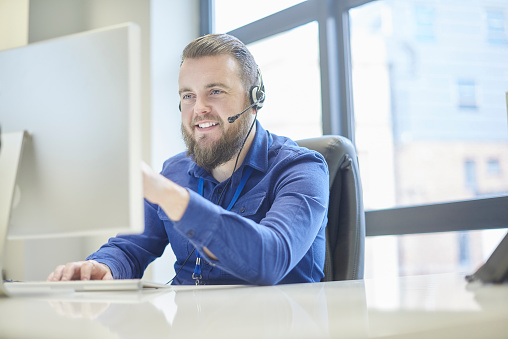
257	96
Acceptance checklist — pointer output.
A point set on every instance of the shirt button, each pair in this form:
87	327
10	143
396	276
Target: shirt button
190	234
242	209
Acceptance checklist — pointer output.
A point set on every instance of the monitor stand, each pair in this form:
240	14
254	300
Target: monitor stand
10	155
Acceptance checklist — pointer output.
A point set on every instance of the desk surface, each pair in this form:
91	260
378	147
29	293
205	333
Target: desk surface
433	306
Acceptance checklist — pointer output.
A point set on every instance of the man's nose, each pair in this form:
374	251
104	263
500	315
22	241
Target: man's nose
201	105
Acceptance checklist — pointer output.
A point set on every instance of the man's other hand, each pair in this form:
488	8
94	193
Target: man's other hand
81	270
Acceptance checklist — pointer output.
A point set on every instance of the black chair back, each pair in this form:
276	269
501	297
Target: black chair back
345	233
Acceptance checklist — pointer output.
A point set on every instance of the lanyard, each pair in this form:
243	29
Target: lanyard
248	171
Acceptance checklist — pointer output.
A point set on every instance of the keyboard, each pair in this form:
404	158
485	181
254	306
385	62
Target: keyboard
35	287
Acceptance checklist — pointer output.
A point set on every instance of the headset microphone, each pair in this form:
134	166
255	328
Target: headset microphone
257	98
234	117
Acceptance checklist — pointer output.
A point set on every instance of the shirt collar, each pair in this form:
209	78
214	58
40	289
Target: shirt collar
257	157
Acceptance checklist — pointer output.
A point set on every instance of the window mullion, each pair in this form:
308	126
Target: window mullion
276	23
206	16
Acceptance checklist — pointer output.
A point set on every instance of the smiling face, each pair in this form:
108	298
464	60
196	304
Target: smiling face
211	90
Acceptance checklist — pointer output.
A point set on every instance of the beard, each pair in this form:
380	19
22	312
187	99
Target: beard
212	154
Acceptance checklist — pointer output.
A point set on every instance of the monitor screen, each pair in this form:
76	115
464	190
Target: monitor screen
78	98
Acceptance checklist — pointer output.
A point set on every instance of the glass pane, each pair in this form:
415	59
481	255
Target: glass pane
496	26
231	14
291	75
429	82
433	253
429	89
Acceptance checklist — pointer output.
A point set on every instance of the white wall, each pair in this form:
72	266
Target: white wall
170	34
167	26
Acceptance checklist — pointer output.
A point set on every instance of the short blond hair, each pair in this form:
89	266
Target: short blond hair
225	44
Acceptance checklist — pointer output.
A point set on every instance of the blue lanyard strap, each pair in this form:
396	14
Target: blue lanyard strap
248	171
246	174
245	177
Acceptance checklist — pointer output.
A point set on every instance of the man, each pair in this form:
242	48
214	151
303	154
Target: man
242	205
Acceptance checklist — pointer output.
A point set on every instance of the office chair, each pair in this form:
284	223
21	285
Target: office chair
345	231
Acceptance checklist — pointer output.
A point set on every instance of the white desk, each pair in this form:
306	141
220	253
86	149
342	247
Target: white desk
434	306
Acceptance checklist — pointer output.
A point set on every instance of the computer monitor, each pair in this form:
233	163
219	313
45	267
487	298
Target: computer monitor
79	100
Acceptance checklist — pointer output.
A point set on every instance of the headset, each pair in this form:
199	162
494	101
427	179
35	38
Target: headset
257	94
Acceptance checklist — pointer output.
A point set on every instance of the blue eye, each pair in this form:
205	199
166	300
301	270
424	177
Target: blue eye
216	91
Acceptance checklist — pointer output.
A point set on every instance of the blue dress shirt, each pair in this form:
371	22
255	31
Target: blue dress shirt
275	232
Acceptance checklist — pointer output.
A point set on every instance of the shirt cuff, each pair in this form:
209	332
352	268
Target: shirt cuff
116	271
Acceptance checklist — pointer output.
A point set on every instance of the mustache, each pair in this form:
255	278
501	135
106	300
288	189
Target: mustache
207	117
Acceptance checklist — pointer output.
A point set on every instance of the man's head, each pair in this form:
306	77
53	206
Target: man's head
216	75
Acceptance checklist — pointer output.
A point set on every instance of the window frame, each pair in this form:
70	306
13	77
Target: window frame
338	116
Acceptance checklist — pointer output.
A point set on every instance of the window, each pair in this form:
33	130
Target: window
425	18
464	256
470	175
496	32
416	146
467	94
493	167
412	136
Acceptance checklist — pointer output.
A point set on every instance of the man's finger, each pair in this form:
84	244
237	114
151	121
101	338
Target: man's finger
87	269
56	274
70	270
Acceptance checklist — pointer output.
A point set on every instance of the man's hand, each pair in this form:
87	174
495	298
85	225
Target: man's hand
172	198
81	270
157	189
